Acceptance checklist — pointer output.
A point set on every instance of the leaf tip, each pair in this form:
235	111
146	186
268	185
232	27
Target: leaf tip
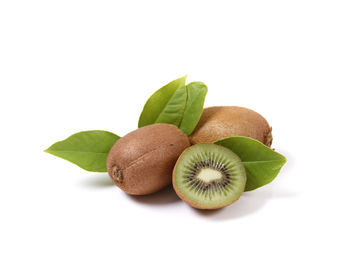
47	150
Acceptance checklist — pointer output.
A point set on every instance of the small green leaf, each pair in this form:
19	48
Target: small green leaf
196	92
261	162
163	105
88	149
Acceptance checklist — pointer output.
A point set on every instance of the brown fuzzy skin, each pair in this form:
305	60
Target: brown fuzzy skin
141	162
191	203
220	122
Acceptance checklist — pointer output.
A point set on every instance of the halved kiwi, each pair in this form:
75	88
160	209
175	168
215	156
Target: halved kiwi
209	176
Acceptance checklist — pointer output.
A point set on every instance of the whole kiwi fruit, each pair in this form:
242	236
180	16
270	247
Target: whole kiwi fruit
142	161
209	176
220	122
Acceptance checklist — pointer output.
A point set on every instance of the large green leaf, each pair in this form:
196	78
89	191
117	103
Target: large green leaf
166	105
88	149
261	162
196	92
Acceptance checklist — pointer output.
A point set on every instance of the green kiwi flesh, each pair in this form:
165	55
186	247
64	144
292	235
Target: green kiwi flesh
209	176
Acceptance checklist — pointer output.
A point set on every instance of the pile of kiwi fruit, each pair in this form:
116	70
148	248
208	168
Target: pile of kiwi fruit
203	174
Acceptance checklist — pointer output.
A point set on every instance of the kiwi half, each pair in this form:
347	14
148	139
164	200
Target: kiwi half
209	176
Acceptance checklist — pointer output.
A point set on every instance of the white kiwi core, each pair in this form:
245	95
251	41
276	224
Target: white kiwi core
208	174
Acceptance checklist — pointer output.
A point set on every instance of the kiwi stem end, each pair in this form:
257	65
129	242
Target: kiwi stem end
117	174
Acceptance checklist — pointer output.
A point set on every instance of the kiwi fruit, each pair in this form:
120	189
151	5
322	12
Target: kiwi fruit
142	161
220	122
209	176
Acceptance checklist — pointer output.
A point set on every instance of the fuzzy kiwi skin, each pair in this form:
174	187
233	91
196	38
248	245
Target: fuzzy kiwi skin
142	161
188	201
220	122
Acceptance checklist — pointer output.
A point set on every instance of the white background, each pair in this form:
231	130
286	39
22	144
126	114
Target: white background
69	66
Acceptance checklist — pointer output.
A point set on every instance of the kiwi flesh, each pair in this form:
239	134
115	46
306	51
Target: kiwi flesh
142	161
220	122
209	176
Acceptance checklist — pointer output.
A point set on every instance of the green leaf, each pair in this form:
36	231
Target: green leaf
261	162
88	149
166	105
174	110
177	104
196	92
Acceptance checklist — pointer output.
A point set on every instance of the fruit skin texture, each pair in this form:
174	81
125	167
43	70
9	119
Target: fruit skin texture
220	122
141	162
